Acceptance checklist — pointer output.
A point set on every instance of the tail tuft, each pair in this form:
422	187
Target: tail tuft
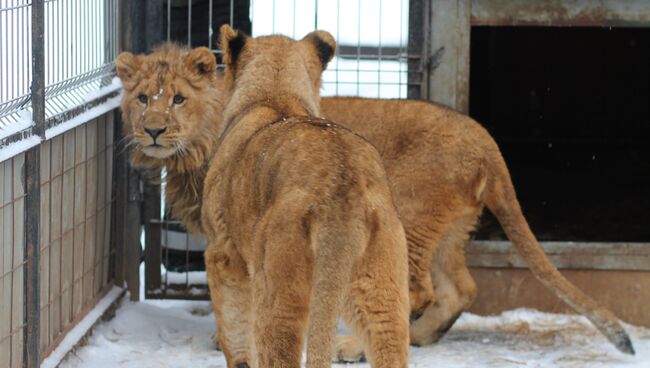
622	342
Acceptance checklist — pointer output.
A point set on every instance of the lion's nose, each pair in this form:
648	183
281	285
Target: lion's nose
154	133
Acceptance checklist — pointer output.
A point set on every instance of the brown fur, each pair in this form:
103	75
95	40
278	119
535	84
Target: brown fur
443	168
188	142
439	165
299	217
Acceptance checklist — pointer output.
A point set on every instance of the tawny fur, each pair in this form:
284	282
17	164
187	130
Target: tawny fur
298	214
443	168
188	143
439	164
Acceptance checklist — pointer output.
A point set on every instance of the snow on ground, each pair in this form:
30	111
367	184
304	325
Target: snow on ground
177	334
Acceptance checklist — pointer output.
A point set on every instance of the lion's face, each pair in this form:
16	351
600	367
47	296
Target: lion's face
169	99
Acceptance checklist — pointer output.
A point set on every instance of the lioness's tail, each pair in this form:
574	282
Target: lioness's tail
500	198
331	279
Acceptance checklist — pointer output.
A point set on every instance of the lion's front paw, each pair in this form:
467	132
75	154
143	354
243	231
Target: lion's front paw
349	350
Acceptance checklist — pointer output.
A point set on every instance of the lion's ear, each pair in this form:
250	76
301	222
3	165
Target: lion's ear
127	65
231	42
324	44
202	61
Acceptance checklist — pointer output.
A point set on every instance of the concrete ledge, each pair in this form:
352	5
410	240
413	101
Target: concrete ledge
564	255
626	293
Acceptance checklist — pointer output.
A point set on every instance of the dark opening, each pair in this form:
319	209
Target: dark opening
570	110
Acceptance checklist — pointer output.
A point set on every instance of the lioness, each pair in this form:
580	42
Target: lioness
298	215
443	168
424	148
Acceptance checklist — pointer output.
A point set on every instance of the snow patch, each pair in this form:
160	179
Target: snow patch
24	122
101	109
79	331
173	333
116	84
185	278
16	148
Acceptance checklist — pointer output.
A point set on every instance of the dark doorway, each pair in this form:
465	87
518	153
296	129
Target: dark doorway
570	110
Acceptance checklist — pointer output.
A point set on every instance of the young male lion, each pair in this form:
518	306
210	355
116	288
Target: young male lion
440	165
298	215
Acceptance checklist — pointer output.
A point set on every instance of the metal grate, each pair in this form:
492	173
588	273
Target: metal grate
76	202
15	64
80	46
372	39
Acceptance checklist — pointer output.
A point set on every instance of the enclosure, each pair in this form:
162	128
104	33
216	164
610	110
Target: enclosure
563	86
58	166
551	82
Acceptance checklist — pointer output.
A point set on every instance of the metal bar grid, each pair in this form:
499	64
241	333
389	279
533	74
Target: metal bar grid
76	67
15	65
76	205
56	199
372	60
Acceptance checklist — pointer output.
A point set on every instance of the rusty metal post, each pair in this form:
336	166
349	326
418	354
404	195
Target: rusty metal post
31	184
417	50
119	201
133	220
151	198
449	53
152	228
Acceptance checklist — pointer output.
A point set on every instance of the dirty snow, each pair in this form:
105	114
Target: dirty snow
108	105
24	121
80	329
177	334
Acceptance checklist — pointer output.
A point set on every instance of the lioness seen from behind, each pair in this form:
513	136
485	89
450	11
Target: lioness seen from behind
299	218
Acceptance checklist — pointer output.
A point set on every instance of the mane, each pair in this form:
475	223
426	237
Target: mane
185	170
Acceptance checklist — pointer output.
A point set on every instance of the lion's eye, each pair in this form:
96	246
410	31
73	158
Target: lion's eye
178	99
143	98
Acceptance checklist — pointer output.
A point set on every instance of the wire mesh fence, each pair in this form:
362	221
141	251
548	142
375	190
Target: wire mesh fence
57	252
76	202
80	45
15	73
372	36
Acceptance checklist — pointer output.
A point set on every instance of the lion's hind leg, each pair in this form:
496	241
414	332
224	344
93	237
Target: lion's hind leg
454	286
377	306
230	293
281	290
349	349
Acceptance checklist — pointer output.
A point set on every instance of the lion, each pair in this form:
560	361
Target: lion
297	211
170	130
424	147
299	216
443	168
